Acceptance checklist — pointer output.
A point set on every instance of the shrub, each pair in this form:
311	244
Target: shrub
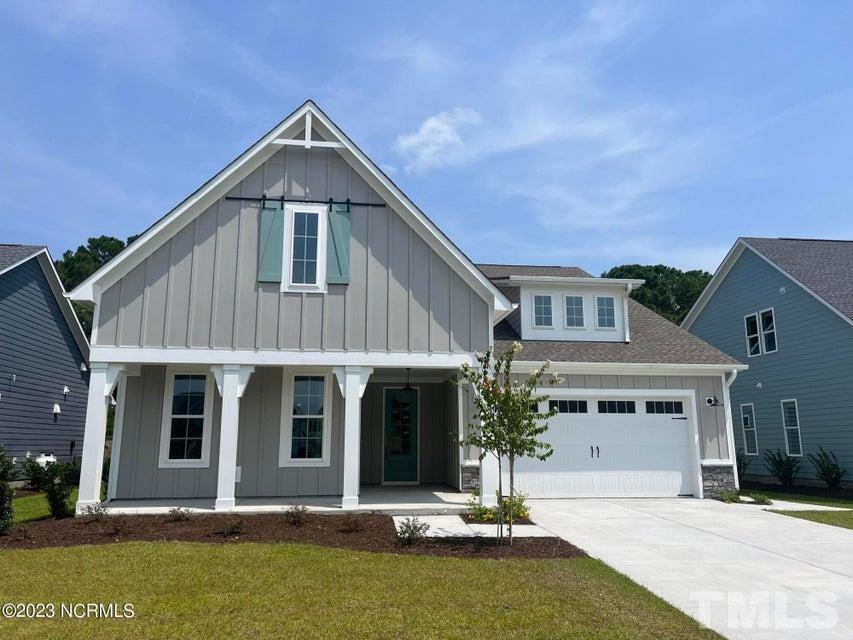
59	480
730	497
479	513
295	515
351	523
231	528
7	473
743	461
760	498
35	474
95	513
782	466
412	529
827	468
179	514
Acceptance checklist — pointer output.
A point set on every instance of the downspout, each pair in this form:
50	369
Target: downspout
628	288
727	383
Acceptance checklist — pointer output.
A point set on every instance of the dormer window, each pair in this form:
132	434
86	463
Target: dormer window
605	307
574	312
542	312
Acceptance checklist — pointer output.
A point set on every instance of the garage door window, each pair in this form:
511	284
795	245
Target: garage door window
617	406
568	406
664	406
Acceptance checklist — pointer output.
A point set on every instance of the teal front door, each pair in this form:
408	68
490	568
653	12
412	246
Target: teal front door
401	436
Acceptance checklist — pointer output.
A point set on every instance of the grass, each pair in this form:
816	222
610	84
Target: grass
834	518
808	499
197	590
33	507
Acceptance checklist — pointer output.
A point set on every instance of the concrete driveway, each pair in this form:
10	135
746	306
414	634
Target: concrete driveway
742	571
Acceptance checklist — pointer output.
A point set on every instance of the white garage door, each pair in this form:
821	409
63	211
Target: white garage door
613	447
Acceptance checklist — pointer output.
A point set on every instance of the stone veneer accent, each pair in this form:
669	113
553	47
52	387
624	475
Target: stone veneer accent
470	477
717	478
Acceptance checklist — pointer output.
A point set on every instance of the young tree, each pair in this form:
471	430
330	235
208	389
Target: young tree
7	474
509	420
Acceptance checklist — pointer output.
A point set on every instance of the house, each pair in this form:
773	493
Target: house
43	359
294	328
785	306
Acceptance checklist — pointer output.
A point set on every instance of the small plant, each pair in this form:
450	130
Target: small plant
743	461
351	523
179	514
730	497
411	530
782	466
7	472
95	513
760	498
60	479
231	529
295	515
34	474
479	513
827	468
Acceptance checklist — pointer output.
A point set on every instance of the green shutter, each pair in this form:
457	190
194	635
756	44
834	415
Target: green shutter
270	242
337	247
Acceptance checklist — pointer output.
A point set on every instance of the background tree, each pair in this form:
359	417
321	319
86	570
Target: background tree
508	421
75	266
668	291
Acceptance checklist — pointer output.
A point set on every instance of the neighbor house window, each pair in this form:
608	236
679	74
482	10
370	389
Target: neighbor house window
542	314
305	434
605	312
664	406
753	340
185	431
617	406
791	425
305	247
574	311
568	406
768	331
750	436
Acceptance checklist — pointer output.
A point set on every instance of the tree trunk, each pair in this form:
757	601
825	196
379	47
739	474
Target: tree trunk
500	501
511	493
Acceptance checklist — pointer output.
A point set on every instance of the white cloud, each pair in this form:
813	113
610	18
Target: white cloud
438	141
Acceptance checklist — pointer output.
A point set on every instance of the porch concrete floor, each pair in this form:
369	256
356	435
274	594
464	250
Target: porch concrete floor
407	500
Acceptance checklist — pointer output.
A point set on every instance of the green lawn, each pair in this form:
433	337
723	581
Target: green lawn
835	518
797	497
196	590
34	507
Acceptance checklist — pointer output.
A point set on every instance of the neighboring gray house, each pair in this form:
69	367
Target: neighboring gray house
43	359
785	306
295	326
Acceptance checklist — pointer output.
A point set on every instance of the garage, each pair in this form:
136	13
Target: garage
615	446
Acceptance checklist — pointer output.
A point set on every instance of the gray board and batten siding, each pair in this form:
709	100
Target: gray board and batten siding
200	290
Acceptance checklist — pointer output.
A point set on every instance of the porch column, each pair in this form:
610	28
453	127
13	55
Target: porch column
489	481
352	381
231	381
102	379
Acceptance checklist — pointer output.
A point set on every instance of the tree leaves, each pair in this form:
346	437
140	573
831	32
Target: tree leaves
668	291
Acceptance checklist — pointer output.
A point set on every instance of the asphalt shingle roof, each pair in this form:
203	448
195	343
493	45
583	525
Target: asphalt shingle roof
498	271
12	253
824	266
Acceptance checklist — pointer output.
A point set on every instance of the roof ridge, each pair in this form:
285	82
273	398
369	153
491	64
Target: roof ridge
797	239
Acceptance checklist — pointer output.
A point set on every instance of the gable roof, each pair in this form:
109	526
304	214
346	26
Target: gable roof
823	268
501	271
309	117
14	255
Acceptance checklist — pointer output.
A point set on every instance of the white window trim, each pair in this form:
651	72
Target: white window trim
287	283
286	431
754	428
785	427
166	422
583	313
595	312
533	310
758	328
762	333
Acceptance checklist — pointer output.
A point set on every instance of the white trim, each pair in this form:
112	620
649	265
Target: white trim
287	283
757	335
582	325
630	368
165	421
753	428
115	449
218	186
417	481
728	381
716	462
688	395
596	298
763	333
785	427
286	430
302	143
533	297
169	355
583	281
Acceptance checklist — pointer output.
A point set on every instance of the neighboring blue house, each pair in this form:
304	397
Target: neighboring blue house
785	307
43	359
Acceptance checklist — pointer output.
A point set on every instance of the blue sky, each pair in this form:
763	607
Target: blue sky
568	133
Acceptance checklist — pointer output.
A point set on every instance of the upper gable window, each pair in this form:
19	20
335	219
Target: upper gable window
768	331
605	312
760	331
304	260
753	341
542	313
574	312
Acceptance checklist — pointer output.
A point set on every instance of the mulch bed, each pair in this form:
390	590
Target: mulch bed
362	532
818	492
469	519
